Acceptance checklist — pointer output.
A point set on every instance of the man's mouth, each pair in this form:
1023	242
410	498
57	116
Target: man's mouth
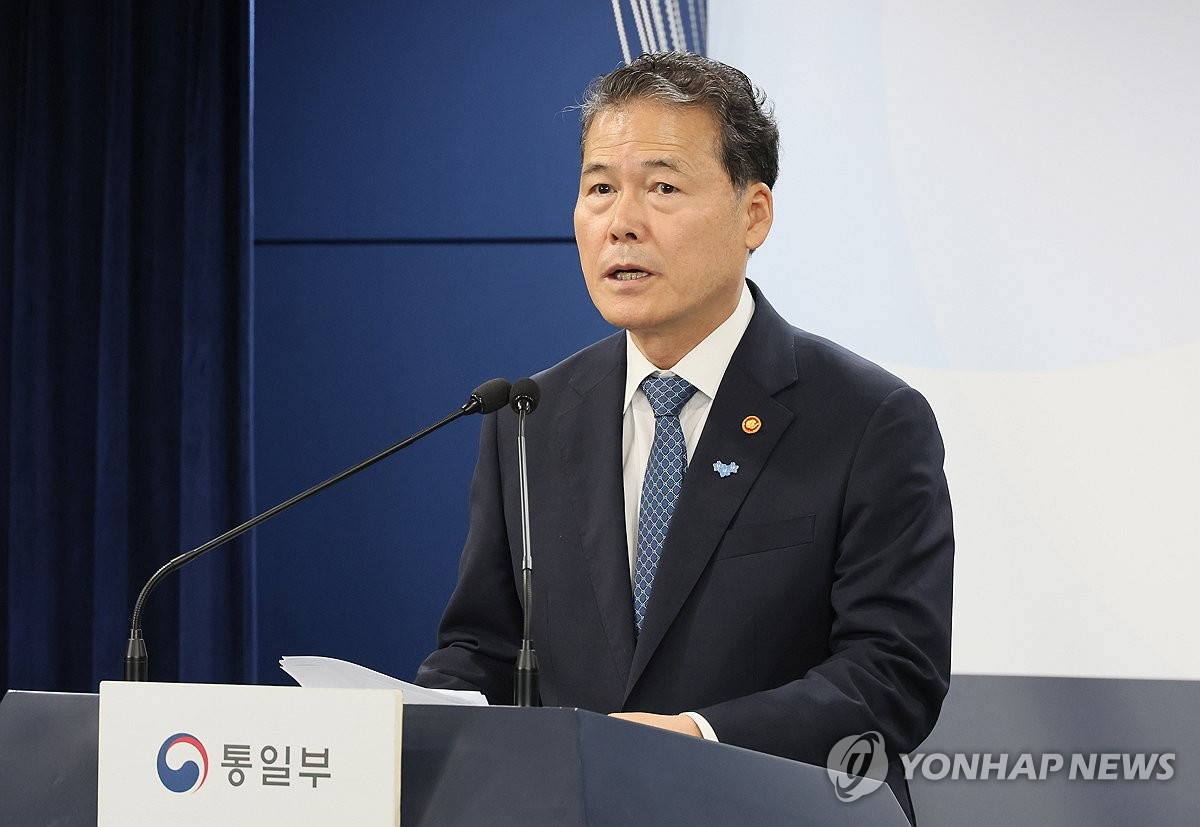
627	273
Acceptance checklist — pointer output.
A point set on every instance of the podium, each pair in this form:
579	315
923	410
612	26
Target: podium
480	765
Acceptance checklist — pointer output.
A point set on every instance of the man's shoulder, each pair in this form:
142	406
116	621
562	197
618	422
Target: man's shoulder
586	367
841	392
821	359
818	364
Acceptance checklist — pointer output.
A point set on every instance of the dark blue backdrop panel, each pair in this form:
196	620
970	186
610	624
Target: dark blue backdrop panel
358	347
416	120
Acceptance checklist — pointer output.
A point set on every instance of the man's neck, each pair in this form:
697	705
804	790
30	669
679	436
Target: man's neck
664	349
664	352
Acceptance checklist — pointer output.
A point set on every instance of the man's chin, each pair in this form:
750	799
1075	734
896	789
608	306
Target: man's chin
626	312
639	323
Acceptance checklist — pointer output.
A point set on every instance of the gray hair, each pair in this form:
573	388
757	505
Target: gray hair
749	135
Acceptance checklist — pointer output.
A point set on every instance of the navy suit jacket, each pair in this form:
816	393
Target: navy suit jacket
801	600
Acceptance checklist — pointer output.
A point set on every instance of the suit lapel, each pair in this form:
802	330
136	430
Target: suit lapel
762	365
589	437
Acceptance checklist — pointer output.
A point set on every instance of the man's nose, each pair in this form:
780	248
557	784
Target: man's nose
627	219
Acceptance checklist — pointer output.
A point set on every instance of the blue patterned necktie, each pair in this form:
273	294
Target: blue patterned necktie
664	478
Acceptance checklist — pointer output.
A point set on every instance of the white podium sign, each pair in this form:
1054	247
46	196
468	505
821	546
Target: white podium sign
199	754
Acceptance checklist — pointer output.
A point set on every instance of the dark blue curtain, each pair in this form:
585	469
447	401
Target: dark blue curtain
125	337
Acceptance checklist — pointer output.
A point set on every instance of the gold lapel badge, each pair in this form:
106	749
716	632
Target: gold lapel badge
751	424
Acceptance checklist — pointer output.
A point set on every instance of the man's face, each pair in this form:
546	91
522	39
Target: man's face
663	235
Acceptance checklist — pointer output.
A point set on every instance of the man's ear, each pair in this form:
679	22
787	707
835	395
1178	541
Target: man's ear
759	205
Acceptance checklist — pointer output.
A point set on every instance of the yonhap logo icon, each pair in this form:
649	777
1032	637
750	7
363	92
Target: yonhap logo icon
189	776
857	765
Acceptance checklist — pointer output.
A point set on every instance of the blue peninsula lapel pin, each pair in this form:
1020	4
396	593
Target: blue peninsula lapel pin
725	469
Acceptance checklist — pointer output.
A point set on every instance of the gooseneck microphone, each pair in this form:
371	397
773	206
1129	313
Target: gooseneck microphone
525	395
488	397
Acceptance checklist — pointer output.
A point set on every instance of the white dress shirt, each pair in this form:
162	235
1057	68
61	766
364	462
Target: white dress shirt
704	367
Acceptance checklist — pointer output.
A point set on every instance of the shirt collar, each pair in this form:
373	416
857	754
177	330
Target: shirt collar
704	365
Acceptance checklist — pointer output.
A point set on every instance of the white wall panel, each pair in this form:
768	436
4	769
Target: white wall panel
1000	200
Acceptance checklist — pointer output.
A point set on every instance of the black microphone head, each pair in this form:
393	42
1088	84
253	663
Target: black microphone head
524	395
492	395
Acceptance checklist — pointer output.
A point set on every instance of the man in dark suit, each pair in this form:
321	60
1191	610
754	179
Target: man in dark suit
741	531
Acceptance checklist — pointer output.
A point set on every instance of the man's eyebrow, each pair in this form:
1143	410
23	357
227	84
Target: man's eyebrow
650	163
662	163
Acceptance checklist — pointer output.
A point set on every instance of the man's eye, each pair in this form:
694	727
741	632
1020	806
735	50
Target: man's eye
665	189
602	189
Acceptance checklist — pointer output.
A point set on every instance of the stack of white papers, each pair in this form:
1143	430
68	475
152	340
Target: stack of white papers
330	673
